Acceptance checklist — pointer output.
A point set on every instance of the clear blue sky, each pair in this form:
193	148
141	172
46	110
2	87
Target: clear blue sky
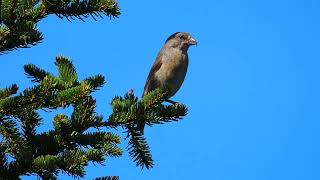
252	86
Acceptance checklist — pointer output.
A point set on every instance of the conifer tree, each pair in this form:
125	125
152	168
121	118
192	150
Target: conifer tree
70	145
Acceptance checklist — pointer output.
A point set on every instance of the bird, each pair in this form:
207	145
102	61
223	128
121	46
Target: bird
170	66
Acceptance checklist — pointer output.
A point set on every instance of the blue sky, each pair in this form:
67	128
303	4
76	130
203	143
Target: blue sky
252	86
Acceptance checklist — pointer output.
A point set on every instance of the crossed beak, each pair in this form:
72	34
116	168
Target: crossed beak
192	41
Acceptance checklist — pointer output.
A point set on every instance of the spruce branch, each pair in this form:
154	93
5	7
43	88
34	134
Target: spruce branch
47	144
4	165
69	96
14	143
82	8
97	139
73	162
96	156
67	148
36	97
30	119
22	35
108	178
95	82
111	150
130	113
165	113
6	92
63	129
19	18
3	158
47	165
8	11
74	141
149	110
138	148
84	116
34	73
153	98
66	70
47	175
124	109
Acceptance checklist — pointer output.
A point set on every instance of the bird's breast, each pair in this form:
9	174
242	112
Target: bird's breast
173	70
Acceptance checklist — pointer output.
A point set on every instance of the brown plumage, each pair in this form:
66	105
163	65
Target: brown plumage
170	66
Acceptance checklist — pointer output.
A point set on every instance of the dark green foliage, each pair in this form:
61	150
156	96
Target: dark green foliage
34	73
82	8
19	18
21	35
128	110
138	148
70	145
108	178
8	91
130	113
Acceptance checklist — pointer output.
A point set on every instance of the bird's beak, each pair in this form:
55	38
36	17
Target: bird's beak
192	41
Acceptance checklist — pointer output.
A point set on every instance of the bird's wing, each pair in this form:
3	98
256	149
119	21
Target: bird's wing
152	83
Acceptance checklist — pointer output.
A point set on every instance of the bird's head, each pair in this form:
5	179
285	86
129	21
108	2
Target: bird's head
181	40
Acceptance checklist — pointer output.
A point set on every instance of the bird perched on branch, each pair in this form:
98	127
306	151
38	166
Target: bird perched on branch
170	67
171	64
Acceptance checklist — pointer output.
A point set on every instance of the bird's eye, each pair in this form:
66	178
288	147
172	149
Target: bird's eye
181	36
